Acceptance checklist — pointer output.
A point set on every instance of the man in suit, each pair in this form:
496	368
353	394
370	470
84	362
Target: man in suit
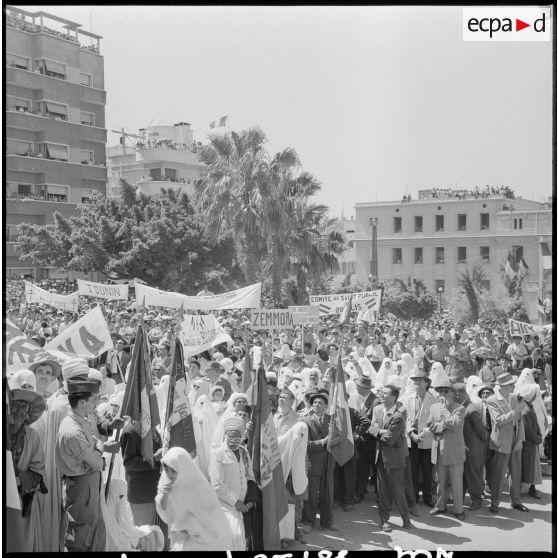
484	392
213	373
505	366
388	426
320	489
117	360
365	443
507	438
475	435
417	404
448	448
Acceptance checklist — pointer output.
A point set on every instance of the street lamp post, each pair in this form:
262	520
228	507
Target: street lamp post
440	291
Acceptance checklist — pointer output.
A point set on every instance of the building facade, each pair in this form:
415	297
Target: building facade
55	124
157	157
436	238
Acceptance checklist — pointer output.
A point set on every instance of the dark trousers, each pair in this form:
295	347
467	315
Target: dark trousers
345	482
503	461
489	467
409	490
421	462
365	461
318	499
85	528
472	476
391	488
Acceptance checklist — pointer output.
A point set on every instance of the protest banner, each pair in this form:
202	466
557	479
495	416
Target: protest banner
89	337
523	328
305	315
247	297
271	319
98	290
199	333
36	295
20	351
336	303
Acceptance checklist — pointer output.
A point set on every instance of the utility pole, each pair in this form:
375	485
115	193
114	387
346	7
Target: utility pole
123	136
374	261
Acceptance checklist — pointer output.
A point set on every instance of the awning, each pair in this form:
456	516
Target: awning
57	109
58	190
55	67
57	152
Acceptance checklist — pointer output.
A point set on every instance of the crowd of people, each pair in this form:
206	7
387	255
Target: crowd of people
439	413
483	193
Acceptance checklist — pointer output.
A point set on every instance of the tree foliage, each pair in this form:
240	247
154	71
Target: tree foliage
156	239
408	301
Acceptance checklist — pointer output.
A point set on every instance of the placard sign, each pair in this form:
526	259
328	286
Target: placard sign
305	315
271	319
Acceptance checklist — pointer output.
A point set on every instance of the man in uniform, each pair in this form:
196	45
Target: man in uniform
78	457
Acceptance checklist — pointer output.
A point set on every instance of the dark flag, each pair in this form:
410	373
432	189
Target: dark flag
140	401
179	428
268	470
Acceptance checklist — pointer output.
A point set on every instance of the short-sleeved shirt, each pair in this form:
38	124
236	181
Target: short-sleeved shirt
75	440
284	423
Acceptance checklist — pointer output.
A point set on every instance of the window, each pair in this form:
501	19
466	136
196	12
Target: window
485	253
55	110
52	68
440	285
418	224
87	118
56	193
397	224
461	254
19	147
518	252
418	255
17	61
85	79
56	151
518	223
16	103
439	223
24	189
11	233
351	242
397	255
440	255
170	174
155	174
86	157
485	221
462	222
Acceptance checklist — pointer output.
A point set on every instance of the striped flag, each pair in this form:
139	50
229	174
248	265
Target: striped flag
340	440
220	123
268	470
179	427
523	268
345	317
540	308
140	401
510	269
546	256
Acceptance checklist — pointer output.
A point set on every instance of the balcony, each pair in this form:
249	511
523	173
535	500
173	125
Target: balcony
166	155
154	187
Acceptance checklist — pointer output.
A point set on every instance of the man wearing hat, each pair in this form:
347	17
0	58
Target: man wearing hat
213	373
417	403
456	369
78	458
320	491
475	435
507	439
28	460
46	372
505	366
484	392
517	351
448	448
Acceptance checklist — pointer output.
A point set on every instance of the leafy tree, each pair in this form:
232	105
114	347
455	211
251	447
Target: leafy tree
407	302
157	239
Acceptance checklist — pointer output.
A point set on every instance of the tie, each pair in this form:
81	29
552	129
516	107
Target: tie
487	420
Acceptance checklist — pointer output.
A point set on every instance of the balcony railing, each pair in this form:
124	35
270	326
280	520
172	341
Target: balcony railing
47	158
38	197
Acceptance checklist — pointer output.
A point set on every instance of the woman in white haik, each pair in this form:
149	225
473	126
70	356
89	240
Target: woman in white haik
189	506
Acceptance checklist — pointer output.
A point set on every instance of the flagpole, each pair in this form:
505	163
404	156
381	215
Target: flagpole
541	274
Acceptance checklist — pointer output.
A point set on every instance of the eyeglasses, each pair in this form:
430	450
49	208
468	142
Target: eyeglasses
443	390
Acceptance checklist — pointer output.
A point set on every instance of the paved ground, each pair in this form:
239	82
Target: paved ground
510	530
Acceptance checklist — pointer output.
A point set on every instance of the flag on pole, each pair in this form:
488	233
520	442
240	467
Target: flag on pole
346	314
220	123
340	443
268	470
179	427
546	256
523	268
140	401
14	538
510	269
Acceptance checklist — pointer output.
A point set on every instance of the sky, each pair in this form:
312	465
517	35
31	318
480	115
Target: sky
377	101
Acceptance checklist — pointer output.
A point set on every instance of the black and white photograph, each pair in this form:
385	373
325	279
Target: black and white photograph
279	279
